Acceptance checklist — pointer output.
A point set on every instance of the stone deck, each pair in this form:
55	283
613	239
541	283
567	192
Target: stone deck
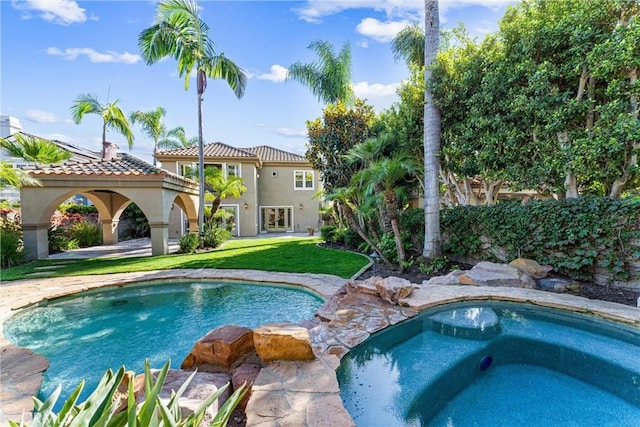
285	393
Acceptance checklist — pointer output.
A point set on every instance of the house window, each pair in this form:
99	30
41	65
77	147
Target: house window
189	170
232	170
303	180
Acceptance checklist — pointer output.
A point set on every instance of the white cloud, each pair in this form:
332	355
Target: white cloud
380	31
292	133
374	90
63	12
39	116
73	53
278	74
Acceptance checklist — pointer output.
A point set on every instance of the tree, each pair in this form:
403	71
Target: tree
177	138
151	123
180	33
112	116
220	187
329	78
409	45
431	137
14	177
34	150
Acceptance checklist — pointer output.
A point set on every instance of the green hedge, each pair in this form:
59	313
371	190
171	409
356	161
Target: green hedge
574	236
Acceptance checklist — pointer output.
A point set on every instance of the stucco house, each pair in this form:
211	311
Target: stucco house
281	187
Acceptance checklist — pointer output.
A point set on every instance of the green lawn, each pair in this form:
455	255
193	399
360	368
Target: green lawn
290	255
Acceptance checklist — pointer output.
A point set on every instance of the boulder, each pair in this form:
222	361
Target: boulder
531	267
221	349
392	289
121	397
449	279
556	284
493	274
282	341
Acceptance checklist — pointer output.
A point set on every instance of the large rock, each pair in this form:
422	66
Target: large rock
282	341
556	284
392	289
121	396
493	274
531	267
245	374
222	349
203	385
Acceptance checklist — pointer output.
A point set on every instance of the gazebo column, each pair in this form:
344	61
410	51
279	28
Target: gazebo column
109	231
193	225
159	238
36	241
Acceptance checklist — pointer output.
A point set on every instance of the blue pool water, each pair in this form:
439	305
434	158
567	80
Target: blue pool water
84	335
524	366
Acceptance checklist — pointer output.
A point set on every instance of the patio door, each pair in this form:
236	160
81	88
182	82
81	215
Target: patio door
276	219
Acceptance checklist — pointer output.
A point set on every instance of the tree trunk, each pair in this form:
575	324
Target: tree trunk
392	208
200	169
570	180
432	137
348	212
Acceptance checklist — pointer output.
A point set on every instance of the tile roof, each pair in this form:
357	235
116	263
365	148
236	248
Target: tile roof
271	154
216	149
123	166
77	153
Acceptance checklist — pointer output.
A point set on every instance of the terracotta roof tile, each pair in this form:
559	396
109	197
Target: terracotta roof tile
271	154
216	149
123	166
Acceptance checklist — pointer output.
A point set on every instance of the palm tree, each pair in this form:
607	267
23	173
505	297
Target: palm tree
330	78
33	149
151	123
409	45
14	177
220	187
179	32
432	135
177	138
112	116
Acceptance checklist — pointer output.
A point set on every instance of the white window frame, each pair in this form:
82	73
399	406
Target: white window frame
304	181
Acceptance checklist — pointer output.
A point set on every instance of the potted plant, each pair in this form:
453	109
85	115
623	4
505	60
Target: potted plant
310	230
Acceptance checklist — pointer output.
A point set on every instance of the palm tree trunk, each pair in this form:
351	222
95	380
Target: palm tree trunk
104	139
200	168
431	138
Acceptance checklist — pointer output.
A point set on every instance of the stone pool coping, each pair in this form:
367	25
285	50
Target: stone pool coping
16	391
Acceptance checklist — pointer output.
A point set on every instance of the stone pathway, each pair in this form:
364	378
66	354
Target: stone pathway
284	393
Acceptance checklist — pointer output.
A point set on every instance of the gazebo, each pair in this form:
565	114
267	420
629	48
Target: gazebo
110	184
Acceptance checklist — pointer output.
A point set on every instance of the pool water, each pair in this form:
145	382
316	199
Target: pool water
523	366
84	335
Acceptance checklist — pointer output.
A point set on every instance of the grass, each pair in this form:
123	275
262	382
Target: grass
289	255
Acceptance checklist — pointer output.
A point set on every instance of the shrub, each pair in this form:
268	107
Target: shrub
214	236
99	408
412	221
59	241
11	249
351	238
327	232
137	224
388	245
189	243
78	209
86	233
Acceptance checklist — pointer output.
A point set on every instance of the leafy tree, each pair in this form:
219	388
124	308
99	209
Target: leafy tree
152	124
220	187
180	33
431	137
112	116
330	77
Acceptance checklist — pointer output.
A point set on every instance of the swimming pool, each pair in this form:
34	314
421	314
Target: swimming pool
85	334
495	364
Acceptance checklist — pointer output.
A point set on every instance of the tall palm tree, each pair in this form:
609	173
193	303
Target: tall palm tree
409	45
179	32
152	124
112	116
330	77
432	135
177	138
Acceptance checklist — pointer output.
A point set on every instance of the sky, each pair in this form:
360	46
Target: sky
51	51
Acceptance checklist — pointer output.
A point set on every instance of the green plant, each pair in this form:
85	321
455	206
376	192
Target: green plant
78	209
352	238
99	408
59	241
189	243
328	233
138	224
86	233
11	249
433	265
214	236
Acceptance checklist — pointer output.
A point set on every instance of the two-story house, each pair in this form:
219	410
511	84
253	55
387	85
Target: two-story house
281	187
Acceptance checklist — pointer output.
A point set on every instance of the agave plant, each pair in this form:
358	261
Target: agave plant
100	408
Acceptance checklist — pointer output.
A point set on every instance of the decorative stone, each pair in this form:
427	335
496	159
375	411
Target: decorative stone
282	341
121	396
531	267
203	385
224	347
448	279
493	274
556	284
368	286
392	289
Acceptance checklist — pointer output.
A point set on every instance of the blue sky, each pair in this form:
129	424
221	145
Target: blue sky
53	50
